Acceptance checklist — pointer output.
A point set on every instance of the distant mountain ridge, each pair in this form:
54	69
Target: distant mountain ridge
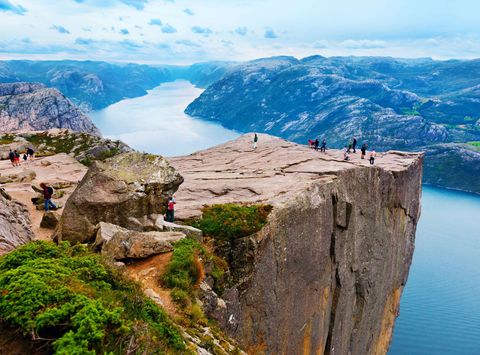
34	107
388	103
95	85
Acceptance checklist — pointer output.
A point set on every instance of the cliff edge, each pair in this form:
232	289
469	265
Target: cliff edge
325	274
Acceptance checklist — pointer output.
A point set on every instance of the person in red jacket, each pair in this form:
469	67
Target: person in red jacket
47	195
171	209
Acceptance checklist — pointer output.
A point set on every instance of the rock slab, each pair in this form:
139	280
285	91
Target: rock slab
15	227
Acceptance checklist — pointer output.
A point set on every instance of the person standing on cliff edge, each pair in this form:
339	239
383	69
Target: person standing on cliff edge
254	143
171	209
354	144
373	154
324	145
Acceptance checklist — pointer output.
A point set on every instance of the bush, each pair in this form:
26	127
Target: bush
83	305
231	221
184	270
180	297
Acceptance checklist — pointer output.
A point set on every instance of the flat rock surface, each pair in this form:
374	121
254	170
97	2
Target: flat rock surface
272	173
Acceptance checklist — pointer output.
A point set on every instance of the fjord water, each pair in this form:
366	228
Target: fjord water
440	306
155	123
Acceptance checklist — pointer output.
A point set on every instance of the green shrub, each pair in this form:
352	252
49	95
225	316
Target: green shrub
231	221
180	297
184	270
85	306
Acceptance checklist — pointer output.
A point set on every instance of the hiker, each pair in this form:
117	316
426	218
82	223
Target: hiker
364	150
354	144
373	154
311	142
346	155
47	195
324	145
30	153
349	147
17	157
316	143
255	140
25	157
171	209
11	156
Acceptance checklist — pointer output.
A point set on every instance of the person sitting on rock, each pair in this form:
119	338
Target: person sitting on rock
346	155
373	154
11	156
47	195
171	209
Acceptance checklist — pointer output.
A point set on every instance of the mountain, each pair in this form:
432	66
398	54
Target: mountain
95	85
34	107
386	102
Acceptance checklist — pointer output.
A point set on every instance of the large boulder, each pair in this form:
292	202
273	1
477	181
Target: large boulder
15	227
121	243
50	220
128	190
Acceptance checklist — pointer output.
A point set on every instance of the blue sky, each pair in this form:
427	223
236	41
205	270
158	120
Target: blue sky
186	31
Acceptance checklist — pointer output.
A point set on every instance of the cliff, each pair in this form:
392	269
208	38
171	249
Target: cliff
325	274
34	107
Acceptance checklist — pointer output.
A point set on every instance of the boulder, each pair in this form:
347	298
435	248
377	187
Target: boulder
23	176
121	243
189	231
50	220
126	190
15	227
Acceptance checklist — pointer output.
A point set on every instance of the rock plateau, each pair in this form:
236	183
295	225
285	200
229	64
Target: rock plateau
327	270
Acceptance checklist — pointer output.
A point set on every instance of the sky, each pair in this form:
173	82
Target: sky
188	31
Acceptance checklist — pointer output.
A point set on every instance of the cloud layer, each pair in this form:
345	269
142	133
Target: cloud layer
182	32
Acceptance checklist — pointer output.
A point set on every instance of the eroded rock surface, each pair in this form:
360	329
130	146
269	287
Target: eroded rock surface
15	227
33	107
129	190
328	269
120	243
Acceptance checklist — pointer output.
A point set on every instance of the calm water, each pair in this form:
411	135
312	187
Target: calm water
155	123
440	307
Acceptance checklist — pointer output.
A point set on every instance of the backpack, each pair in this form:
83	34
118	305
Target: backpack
51	191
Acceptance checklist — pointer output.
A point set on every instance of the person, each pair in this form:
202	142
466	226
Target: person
17	158
25	157
171	209
349	147
255	140
317	142
324	145
373	154
311	142
47	195
11	156
354	144
30	153
364	150
346	155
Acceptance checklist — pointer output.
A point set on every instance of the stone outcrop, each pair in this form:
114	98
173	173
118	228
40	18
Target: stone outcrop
33	107
15	227
129	190
120	243
327	270
50	220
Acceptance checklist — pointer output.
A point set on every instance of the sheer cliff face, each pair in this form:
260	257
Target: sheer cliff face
329	267
34	107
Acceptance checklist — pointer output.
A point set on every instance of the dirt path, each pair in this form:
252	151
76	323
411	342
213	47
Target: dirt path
148	273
